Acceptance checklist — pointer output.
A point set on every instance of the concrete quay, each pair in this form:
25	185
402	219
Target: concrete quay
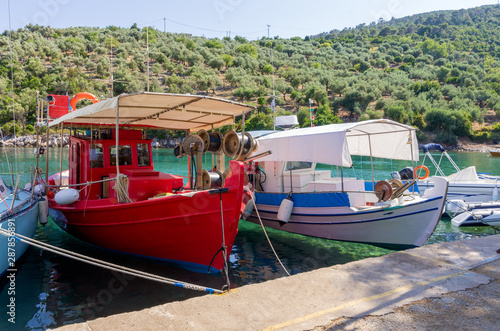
440	286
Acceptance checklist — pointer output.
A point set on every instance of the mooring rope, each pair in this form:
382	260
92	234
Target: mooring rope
265	232
107	265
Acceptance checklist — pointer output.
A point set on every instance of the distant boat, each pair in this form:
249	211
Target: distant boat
494	153
118	201
20	217
292	195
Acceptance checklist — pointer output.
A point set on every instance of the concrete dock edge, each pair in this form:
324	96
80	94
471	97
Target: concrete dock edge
369	287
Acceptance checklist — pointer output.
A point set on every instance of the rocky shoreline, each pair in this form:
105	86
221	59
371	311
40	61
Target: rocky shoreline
56	139
463	145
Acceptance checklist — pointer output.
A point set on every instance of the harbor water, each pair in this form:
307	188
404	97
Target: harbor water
53	290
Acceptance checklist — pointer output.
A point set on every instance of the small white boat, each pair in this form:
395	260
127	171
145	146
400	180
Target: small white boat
473	217
292	195
456	207
19	217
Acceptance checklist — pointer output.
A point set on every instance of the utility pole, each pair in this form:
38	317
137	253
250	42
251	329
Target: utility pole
388	83
164	25
311	117
268	26
483	67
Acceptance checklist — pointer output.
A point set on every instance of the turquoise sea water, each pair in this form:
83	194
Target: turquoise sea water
52	290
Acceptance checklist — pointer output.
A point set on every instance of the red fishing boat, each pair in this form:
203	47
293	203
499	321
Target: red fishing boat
115	199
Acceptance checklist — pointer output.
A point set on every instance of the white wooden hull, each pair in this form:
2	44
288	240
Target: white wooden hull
400	226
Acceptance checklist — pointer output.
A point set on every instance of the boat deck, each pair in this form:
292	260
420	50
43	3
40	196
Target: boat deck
374	287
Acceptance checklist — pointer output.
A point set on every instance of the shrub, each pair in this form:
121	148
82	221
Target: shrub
446	138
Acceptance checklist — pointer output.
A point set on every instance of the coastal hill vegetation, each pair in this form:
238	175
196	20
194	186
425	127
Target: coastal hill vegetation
437	71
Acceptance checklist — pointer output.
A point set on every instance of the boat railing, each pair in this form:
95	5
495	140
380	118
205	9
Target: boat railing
437	165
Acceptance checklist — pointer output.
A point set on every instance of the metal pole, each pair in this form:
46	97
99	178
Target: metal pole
116	137
111	66
47	149
371	160
60	155
310	112
147	47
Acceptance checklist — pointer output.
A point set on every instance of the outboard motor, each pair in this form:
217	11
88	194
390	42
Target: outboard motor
406	174
395	175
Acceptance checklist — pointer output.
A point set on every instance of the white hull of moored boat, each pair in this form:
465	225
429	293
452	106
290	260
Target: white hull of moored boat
24	222
469	192
399	226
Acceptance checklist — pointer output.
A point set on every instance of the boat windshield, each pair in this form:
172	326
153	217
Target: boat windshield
298	165
124	155
96	156
143	155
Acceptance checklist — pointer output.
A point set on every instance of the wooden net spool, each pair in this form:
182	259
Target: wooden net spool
383	190
212	141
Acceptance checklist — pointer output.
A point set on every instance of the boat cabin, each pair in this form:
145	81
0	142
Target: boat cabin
303	177
93	158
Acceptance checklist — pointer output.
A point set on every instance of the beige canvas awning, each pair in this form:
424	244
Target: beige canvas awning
157	110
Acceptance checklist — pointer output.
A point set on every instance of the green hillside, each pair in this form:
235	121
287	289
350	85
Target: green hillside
438	71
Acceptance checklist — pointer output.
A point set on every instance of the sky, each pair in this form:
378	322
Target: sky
220	18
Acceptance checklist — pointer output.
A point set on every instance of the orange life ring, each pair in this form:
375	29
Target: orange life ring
425	169
82	95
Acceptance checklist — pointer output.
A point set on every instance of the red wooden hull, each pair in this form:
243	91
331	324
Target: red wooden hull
182	228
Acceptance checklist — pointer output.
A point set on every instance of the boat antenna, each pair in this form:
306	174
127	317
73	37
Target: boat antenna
12	89
147	46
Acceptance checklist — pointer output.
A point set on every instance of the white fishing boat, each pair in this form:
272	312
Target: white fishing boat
292	195
18	214
466	184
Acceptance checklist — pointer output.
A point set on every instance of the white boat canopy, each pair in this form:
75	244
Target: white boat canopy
335	143
157	110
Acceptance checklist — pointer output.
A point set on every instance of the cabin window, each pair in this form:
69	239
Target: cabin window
73	152
298	165
124	155
96	156
143	155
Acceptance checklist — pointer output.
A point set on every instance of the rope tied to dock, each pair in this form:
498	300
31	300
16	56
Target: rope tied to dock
265	232
107	265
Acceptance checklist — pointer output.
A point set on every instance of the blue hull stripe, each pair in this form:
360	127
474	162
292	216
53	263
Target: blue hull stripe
319	199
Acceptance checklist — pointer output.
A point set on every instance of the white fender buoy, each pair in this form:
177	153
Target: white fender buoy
67	196
39	190
285	210
43	208
495	192
27	187
247	211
